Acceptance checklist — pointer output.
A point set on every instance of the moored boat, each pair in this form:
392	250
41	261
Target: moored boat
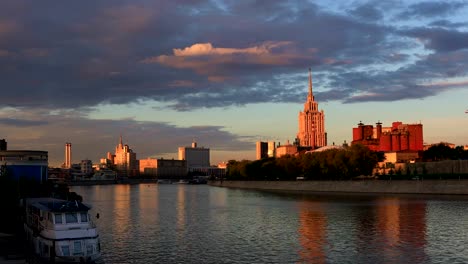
60	231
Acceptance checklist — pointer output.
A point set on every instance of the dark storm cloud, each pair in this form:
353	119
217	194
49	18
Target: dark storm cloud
195	54
427	77
367	12
21	122
432	9
444	23
440	39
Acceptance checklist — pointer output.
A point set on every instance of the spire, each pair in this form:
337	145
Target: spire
120	142
310	81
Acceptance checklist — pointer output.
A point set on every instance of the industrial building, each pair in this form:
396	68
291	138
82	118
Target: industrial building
398	137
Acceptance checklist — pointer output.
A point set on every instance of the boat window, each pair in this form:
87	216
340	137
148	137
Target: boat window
89	249
58	218
66	250
45	250
71	218
77	248
84	217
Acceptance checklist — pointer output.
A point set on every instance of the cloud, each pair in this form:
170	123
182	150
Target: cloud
440	39
432	9
80	55
92	139
214	62
22	122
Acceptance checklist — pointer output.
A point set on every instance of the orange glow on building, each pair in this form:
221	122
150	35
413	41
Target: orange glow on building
311	122
125	160
68	155
398	137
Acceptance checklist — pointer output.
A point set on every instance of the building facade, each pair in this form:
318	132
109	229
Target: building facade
163	168
125	160
68	155
265	149
288	149
31	165
398	137
195	156
311	122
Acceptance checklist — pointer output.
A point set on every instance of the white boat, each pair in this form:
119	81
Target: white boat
60	231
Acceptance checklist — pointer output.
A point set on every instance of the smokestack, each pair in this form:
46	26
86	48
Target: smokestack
68	155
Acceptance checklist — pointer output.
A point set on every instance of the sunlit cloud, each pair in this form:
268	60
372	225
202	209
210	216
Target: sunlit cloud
181	83
205	59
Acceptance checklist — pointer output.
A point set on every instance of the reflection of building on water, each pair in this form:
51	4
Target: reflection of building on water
181	207
312	233
401	225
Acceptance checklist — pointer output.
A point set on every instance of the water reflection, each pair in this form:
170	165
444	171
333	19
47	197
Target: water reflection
203	224
312	232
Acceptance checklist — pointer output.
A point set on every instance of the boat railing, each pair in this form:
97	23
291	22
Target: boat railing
66	226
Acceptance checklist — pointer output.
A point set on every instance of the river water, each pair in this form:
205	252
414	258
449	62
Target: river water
179	223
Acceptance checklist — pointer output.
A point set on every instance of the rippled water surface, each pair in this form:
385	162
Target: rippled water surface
178	223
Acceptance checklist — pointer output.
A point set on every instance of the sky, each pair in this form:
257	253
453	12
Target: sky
225	73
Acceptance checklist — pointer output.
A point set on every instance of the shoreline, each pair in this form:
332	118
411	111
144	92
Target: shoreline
109	182
367	187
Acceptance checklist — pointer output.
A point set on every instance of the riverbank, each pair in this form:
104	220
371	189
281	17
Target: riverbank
108	182
447	187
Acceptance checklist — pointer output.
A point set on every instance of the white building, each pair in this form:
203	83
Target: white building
195	156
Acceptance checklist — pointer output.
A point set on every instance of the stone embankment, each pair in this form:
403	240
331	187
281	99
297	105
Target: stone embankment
453	187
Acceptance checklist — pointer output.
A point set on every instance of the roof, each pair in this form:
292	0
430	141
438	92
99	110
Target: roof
57	205
325	148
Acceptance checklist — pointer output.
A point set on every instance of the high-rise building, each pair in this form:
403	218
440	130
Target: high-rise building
265	149
125	160
195	156
68	155
311	122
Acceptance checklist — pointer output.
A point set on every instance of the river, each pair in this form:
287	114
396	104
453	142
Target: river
179	223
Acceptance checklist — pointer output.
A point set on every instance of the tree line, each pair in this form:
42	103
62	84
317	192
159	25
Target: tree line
334	164
443	152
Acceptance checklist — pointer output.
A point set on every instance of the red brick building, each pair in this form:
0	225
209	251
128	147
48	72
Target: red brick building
398	137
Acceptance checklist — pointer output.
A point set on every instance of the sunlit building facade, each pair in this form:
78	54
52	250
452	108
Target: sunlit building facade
125	160
311	122
265	149
68	156
163	168
398	137
195	156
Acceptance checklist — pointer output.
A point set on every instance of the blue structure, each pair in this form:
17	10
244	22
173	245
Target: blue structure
24	164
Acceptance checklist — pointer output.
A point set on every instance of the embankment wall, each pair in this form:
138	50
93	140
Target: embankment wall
455	187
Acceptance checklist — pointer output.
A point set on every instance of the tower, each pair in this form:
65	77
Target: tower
68	155
311	122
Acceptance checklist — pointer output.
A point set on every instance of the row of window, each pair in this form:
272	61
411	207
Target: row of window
70	218
77	249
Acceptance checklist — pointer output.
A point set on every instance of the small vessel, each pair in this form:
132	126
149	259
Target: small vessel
60	231
164	181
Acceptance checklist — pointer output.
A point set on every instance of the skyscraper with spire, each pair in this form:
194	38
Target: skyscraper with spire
125	159
311	122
